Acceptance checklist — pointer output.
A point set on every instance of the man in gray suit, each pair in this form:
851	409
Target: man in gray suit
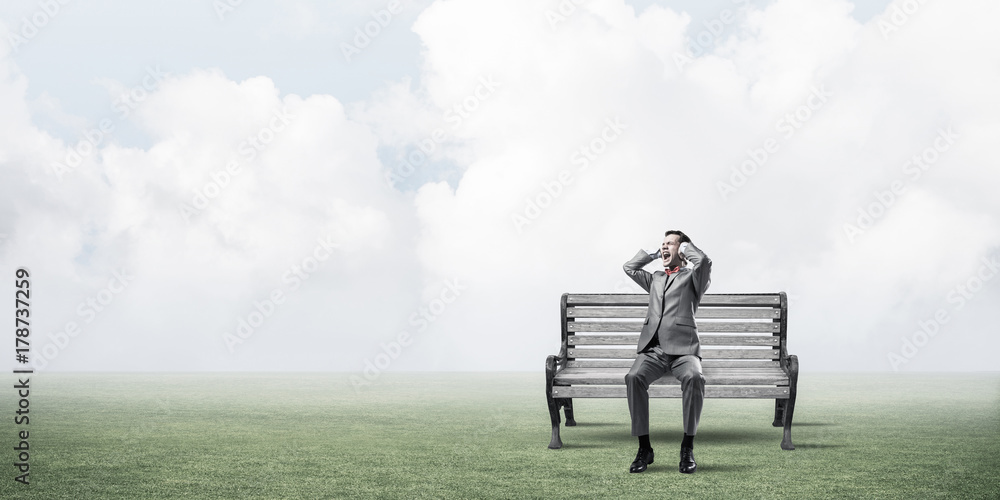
669	340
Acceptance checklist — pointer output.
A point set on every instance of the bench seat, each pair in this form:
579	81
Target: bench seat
743	341
713	376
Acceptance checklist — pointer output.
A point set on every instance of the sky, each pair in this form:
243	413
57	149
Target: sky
375	186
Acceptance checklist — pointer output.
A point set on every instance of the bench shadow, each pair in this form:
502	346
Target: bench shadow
581	446
765	435
817	446
720	436
726	436
709	468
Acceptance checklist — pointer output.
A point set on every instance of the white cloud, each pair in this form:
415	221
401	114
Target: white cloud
552	94
692	128
312	178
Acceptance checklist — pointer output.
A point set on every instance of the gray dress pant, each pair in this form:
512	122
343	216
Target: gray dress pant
650	366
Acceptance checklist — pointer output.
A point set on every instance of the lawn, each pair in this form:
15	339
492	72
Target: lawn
485	435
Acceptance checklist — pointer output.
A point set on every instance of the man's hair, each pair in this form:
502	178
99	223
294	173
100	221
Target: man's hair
683	237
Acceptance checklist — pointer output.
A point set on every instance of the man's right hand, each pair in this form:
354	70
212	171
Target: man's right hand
656	255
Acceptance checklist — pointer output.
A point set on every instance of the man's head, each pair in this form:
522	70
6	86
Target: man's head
669	249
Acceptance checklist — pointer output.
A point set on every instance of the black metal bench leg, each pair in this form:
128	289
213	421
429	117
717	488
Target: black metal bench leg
555	443
793	382
550	371
568	404
779	410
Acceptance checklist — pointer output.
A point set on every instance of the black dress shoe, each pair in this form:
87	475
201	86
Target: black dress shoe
642	459
687	465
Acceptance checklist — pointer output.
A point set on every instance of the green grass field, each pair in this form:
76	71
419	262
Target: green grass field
485	435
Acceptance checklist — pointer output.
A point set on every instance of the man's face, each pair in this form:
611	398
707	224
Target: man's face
671	257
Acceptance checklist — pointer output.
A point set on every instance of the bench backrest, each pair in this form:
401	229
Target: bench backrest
736	330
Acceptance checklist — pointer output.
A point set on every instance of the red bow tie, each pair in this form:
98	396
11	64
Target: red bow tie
672	271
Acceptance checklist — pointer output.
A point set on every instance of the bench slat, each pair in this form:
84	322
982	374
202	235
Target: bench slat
619	373
671	391
703	312
705	363
615	376
703	326
629	353
642	299
633	339
711	378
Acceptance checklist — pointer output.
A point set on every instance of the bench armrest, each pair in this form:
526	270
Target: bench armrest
561	358
558	360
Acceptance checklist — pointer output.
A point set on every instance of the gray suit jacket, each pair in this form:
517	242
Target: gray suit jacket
673	301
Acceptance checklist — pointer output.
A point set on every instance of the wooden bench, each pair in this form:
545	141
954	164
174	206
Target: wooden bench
743	348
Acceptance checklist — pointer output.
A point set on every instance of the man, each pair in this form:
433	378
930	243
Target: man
669	340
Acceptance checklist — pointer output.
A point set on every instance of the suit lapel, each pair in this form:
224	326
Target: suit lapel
670	280
667	280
